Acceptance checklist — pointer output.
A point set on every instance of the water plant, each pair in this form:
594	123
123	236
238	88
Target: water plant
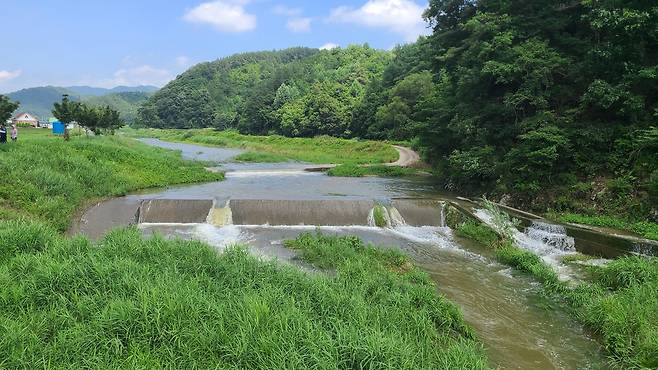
380	216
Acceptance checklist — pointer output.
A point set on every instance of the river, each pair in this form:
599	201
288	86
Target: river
506	309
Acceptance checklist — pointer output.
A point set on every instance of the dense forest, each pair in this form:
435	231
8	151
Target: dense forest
550	104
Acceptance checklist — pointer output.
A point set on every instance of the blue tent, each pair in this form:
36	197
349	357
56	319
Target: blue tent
58	128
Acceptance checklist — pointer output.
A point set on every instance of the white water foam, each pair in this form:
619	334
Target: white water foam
220	237
548	241
268	173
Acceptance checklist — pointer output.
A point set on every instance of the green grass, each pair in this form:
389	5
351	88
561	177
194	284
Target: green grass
134	303
321	150
478	232
646	229
46	178
620	303
379	214
258	157
353	170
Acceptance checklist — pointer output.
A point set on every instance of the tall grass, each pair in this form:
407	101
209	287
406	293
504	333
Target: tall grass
48	179
353	170
321	149
134	303
646	229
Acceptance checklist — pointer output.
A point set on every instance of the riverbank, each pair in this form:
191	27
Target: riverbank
318	150
133	302
49	179
618	301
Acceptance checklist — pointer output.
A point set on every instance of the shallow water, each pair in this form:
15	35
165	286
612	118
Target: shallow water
506	309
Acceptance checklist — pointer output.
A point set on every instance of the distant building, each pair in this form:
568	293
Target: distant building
25	119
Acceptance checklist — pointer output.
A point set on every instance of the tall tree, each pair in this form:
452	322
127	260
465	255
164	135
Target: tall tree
7	108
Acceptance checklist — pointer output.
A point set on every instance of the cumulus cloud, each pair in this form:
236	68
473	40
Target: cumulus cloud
287	11
183	61
139	75
299	24
9	75
329	46
400	16
223	15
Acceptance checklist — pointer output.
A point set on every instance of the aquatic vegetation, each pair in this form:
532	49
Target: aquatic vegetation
258	157
352	170
134	303
380	216
321	149
478	232
48	179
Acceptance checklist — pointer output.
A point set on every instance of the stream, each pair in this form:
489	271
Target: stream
507	310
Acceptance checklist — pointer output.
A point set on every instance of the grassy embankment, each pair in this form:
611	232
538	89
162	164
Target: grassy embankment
320	150
351	170
133	303
48	179
619	302
645	229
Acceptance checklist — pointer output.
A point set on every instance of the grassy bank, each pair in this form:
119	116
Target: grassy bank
46	178
645	229
352	170
619	302
321	150
134	303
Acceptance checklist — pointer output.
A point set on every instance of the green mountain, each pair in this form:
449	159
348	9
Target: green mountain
99	91
39	100
126	103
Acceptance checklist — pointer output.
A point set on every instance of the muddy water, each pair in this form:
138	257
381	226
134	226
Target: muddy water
507	311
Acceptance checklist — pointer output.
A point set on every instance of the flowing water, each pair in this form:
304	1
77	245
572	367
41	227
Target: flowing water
264	204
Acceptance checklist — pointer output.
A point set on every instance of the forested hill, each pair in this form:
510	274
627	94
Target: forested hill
296	92
552	102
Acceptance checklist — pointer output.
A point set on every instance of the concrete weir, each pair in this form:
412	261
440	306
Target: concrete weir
172	211
301	212
421	212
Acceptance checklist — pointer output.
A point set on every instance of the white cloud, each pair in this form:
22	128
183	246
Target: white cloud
329	46
140	75
223	15
287	11
299	24
9	75
183	61
400	16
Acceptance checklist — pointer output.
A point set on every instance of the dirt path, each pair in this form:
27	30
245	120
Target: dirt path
408	157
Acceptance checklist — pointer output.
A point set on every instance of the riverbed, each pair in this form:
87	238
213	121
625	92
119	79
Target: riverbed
506	309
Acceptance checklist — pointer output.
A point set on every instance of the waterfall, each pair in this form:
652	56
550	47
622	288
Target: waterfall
221	216
443	214
553	235
396	218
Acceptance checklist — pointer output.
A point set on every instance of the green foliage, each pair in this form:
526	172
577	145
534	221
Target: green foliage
380	216
134	303
646	229
7	108
126	103
67	110
49	179
352	170
257	157
321	149
39	100
478	232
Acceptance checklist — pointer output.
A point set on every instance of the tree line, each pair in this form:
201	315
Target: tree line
553	103
99	120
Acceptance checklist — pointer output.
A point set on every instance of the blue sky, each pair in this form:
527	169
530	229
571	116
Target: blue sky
133	42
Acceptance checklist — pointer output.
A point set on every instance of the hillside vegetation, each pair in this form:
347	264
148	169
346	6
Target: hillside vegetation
126	103
552	104
320	150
